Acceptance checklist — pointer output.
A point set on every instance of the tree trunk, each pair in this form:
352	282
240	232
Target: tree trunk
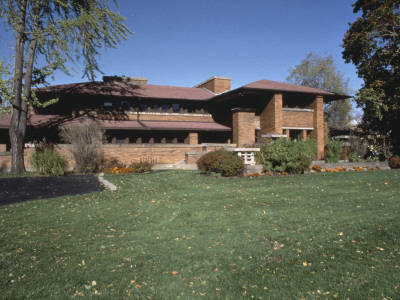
19	107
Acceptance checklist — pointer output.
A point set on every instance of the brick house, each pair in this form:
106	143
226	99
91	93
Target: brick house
165	124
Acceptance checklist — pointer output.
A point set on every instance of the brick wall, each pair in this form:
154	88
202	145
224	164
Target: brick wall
298	119
193	138
271	116
243	126
156	154
126	153
191	157
5	157
216	84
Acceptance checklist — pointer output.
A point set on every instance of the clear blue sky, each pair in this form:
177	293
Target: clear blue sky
184	42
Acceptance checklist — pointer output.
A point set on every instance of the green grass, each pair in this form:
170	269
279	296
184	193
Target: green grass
314	236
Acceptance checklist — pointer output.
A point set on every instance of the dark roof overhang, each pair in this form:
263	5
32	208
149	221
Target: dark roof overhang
269	87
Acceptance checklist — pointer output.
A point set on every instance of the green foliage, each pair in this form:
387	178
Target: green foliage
48	35
372	159
140	167
48	161
222	162
68	31
353	157
321	72
394	162
372	44
287	156
333	151
86	139
5	88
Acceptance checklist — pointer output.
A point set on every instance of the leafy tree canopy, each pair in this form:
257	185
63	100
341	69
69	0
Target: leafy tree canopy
48	34
5	88
372	44
321	72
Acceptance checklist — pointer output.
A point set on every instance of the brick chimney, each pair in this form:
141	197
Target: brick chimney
215	84
123	78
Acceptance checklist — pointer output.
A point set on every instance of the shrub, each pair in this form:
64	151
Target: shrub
333	150
287	156
140	167
48	161
394	162
358	145
222	162
372	159
353	157
85	138
109	163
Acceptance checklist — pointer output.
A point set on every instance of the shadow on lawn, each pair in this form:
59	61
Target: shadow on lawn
14	190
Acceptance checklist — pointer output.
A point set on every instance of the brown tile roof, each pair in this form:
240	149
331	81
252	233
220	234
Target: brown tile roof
122	89
56	120
284	87
37	120
287	87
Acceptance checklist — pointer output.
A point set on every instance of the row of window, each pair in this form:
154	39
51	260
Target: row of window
164	137
144	107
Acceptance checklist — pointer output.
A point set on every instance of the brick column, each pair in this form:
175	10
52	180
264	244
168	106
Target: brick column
271	116
287	132
303	135
193	138
318	124
243	126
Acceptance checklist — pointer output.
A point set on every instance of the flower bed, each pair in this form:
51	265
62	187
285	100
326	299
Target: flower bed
136	167
118	170
318	169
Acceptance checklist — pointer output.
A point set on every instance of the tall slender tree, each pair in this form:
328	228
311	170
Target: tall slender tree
57	32
321	72
372	44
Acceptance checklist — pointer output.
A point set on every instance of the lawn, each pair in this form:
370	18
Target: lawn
179	234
